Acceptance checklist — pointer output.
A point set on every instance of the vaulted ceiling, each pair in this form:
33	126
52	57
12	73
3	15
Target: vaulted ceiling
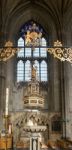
54	15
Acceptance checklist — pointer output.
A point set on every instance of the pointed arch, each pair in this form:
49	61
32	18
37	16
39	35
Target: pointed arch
20	71
43	51
27	70
43	71
21	50
20	41
28	55
43	41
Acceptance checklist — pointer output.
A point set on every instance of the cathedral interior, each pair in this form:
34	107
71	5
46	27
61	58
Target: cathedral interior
35	74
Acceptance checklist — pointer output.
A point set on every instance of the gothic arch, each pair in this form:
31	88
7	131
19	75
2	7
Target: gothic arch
17	18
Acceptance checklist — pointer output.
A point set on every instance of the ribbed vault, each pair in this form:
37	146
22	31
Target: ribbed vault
55	16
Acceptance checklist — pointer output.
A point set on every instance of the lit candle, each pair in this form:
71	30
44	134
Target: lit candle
7	100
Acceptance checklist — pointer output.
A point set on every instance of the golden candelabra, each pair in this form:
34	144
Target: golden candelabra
6	128
6	117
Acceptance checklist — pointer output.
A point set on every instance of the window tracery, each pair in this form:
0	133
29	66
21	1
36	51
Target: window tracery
27	55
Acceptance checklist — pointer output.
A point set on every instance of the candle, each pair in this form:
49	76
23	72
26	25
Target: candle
10	128
7	100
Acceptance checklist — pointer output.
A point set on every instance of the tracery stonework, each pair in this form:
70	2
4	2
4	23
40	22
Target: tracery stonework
20	120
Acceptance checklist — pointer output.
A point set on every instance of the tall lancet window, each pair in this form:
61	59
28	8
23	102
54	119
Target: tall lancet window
27	71
20	71
27	56
43	71
21	51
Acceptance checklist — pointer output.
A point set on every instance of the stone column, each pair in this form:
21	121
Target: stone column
68	98
2	91
38	144
34	142
67	81
10	78
30	143
54	84
62	96
2	86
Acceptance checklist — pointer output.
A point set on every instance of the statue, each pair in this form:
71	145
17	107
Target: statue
33	72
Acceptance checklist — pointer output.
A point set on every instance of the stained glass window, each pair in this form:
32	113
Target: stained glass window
27	55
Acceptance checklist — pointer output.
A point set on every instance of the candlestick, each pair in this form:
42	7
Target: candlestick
7	100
